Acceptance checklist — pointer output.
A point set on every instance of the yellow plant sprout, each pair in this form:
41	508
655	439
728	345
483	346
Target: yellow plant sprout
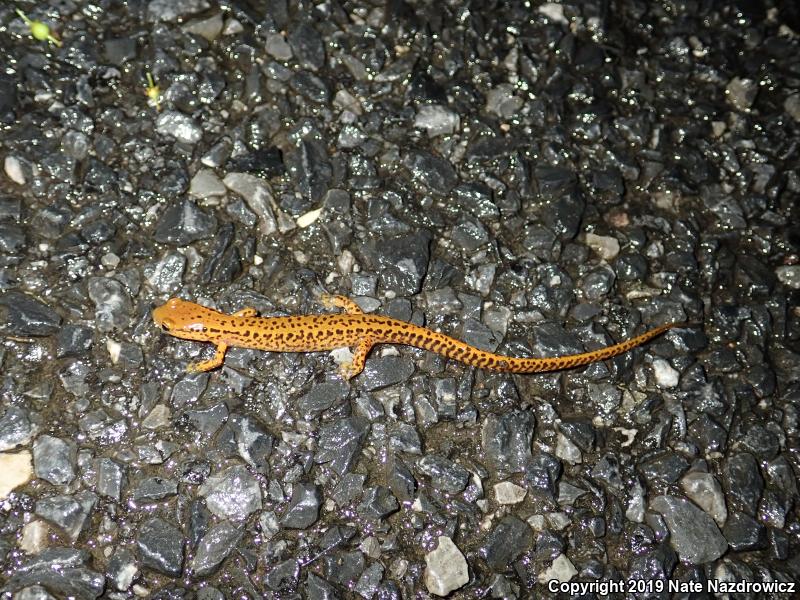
39	30
153	92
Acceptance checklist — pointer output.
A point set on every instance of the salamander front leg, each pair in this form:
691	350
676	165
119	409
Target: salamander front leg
350	307
212	363
245	312
348	370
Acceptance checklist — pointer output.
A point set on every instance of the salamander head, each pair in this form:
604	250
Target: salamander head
184	319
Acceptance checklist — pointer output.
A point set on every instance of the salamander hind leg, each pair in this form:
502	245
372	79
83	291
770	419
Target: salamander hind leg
212	363
245	312
331	301
350	369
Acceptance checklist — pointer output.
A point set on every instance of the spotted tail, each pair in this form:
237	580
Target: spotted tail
469	355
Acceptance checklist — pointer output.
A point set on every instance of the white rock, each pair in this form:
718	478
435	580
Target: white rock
558	520
436	120
605	246
114	348
446	568
34	537
553	11
566	450
789	275
180	126
741	93
666	376
308	218
506	492
209	28
705	491
16	469
14	170
562	569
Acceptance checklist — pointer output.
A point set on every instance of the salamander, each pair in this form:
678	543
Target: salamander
354	329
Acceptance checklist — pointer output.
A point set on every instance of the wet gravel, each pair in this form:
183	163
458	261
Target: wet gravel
535	178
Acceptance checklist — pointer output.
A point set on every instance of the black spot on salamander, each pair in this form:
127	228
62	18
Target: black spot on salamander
246	333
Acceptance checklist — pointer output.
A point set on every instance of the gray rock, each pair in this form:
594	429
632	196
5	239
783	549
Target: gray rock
151	489
307	46
431	172
16	428
67	512
160	546
113	306
444	473
446	568
54	459
61	571
321	397
693	534
507	439
253	443
214	548
233	493
367	585
110	478
122	569
303	509
258	196
174	10
284	575
340	442
401	261
166	275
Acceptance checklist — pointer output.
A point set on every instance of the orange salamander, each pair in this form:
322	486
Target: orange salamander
314	333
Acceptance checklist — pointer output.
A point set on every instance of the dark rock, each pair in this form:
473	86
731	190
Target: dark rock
24	315
742	481
160	546
384	371
444	473
431	172
303	509
378	503
340	442
510	539
183	223
744	533
73	340
62	571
